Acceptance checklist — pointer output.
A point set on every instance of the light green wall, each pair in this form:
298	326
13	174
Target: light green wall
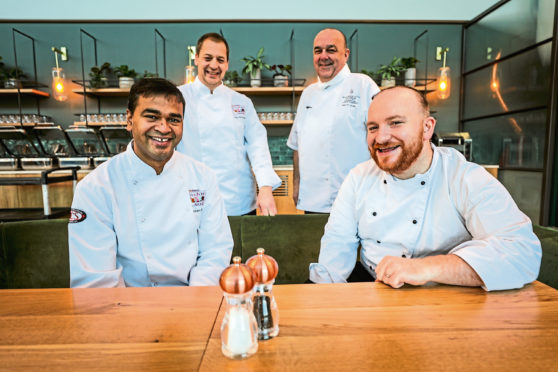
133	44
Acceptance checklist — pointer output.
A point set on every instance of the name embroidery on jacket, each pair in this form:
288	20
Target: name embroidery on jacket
350	100
197	197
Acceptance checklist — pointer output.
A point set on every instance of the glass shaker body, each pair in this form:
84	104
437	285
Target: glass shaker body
239	330
266	311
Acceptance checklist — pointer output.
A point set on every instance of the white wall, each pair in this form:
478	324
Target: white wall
243	10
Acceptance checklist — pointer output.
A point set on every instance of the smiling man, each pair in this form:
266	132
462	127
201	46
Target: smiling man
329	133
223	132
421	213
150	216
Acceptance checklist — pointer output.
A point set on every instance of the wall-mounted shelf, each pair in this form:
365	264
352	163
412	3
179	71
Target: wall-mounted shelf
269	91
26	91
104	92
277	122
100	124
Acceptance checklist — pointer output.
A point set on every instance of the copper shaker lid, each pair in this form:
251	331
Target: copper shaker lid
237	278
264	266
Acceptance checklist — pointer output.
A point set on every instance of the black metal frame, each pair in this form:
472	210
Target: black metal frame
156	32
549	195
84	81
14	31
354	34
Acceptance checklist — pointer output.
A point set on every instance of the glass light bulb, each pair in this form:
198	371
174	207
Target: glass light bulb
444	83
59	84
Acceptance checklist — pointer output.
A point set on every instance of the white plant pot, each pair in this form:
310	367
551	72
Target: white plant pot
280	81
10	83
125	82
411	77
386	83
256	79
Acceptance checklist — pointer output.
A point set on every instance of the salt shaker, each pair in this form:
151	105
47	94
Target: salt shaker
265	269
239	330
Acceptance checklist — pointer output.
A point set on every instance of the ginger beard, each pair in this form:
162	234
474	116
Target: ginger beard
397	156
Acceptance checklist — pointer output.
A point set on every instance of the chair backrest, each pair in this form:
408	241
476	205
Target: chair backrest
548	273
293	240
34	254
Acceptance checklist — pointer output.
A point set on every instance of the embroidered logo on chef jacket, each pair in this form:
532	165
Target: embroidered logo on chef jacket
197	197
350	100
239	111
77	215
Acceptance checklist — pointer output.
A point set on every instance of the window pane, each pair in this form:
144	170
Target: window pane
509	141
516	83
511	27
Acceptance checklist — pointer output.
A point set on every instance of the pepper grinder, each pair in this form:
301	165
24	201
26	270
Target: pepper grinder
265	269
239	330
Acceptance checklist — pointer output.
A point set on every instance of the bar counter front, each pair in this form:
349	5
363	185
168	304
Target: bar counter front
327	327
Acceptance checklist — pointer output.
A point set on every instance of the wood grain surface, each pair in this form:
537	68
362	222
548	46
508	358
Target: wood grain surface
370	326
106	329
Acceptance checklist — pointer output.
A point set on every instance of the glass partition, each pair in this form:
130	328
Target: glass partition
513	26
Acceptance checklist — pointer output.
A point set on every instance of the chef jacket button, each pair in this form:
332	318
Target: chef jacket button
374	213
155	284
404	256
377	241
422	183
385	182
135	182
415	222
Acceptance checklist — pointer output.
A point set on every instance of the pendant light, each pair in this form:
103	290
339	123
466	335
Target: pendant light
444	79
58	79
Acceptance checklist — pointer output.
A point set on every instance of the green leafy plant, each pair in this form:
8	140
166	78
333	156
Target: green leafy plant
232	78
98	77
373	75
125	71
147	74
253	64
409	62
393	69
14	73
280	69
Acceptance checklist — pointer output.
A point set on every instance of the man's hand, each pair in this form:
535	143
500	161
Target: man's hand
266	202
447	269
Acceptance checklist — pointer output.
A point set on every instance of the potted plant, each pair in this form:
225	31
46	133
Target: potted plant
147	74
12	77
390	71
125	75
410	65
253	66
280	79
373	75
231	79
98	77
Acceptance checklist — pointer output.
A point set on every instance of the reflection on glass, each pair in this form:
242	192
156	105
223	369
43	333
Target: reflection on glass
513	84
509	141
513	26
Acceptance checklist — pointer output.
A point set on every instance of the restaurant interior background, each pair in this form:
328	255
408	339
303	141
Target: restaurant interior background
502	56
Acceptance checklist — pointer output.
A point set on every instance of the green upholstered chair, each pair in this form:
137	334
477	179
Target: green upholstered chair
34	254
549	265
293	240
235	223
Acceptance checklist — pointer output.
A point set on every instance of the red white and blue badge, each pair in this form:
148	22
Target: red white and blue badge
239	111
197	197
77	215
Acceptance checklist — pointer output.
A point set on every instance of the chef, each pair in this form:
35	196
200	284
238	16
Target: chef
329	133
423	213
149	216
223	132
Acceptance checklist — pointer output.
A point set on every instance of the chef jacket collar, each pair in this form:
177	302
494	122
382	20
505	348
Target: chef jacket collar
201	89
418	178
138	168
337	79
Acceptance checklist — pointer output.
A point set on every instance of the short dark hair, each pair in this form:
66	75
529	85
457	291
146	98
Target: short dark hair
149	87
213	36
421	97
341	32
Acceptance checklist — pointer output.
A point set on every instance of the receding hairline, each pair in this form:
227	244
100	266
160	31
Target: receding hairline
334	29
420	98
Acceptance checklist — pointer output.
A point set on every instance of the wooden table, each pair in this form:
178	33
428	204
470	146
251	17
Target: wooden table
106	329
369	326
364	326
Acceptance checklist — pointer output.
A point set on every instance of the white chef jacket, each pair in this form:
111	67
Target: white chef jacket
329	133
142	229
222	131
456	207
